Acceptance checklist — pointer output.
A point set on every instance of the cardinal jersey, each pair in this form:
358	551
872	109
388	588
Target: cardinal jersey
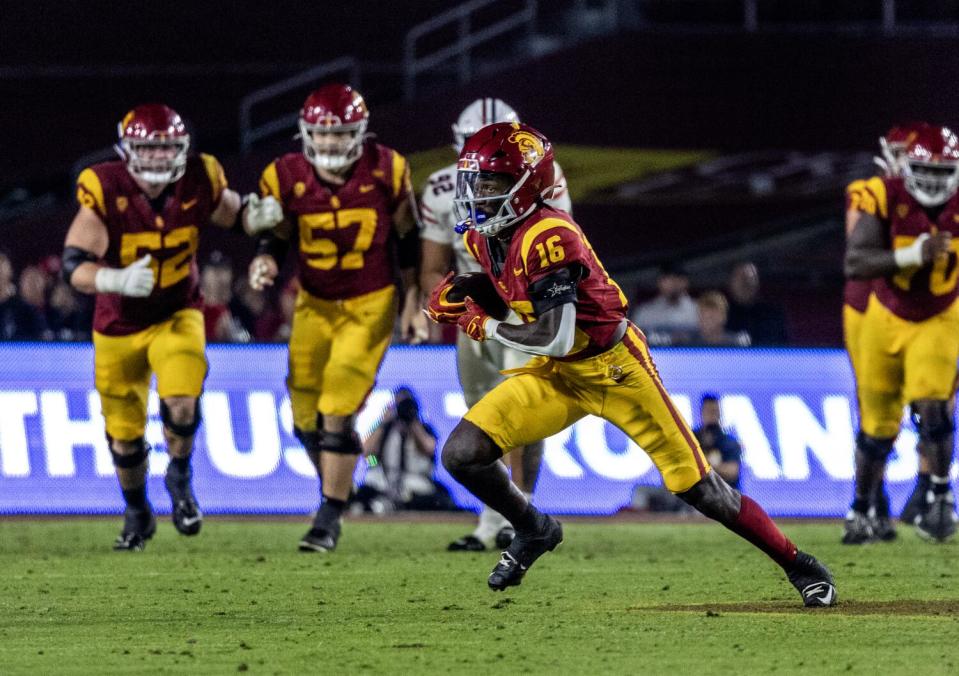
603	376
436	208
856	291
545	242
913	294
169	234
344	234
908	341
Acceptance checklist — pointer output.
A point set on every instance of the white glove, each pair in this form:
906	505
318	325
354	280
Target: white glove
910	256
263	271
261	213
136	279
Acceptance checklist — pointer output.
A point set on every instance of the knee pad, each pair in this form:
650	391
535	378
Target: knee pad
937	423
344	443
874	448
310	440
187	430
132	460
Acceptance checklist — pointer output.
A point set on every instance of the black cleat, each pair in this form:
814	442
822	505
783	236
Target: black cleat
523	552
914	507
813	581
467	543
938	522
138	527
505	536
882	528
187	517
320	539
857	529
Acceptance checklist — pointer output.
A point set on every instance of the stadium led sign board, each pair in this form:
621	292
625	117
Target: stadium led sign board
792	410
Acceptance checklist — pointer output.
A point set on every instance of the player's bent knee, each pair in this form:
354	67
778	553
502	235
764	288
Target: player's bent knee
875	448
468	446
129	460
309	439
714	498
933	419
182	419
342	443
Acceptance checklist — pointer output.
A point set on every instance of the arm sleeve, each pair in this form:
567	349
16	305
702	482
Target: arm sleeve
400	180
270	183
214	171
551	245
868	196
90	192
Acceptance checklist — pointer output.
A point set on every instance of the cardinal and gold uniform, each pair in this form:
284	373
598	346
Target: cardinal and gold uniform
608	373
856	292
162	333
909	338
347	268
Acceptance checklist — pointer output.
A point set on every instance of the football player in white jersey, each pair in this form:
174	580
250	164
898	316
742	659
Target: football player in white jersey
478	363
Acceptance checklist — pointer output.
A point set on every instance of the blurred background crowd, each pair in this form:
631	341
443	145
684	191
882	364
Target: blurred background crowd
37	305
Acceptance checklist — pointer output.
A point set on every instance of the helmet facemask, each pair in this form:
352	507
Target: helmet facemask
892	156
156	161
930	183
340	148
484	201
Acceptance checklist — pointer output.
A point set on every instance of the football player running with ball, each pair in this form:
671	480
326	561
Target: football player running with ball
903	238
133	243
588	360
479	364
346	210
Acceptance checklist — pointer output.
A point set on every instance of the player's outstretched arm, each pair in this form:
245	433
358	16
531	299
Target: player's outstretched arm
86	243
868	255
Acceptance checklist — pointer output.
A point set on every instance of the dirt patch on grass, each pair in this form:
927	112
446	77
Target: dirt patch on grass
904	607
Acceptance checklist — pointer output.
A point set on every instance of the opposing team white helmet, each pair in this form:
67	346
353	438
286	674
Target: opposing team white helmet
479	114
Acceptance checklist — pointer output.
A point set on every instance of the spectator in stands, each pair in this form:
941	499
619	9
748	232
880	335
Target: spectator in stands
764	322
33	292
401	454
670	317
14	313
711	332
69	315
721	449
216	284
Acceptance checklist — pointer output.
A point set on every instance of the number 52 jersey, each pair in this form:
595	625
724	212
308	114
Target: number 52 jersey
135	229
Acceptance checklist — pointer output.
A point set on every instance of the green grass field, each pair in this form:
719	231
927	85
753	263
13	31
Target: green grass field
615	598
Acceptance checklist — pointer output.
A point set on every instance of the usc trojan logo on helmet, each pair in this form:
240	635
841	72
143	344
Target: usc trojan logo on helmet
530	146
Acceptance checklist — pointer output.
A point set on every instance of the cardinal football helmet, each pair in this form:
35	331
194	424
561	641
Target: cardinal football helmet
339	113
929	165
477	115
153	141
504	171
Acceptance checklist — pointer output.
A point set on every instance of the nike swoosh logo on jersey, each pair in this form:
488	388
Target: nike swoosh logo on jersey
367	187
188	205
517	271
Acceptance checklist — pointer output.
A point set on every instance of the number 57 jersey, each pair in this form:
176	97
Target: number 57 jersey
343	234
169	232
